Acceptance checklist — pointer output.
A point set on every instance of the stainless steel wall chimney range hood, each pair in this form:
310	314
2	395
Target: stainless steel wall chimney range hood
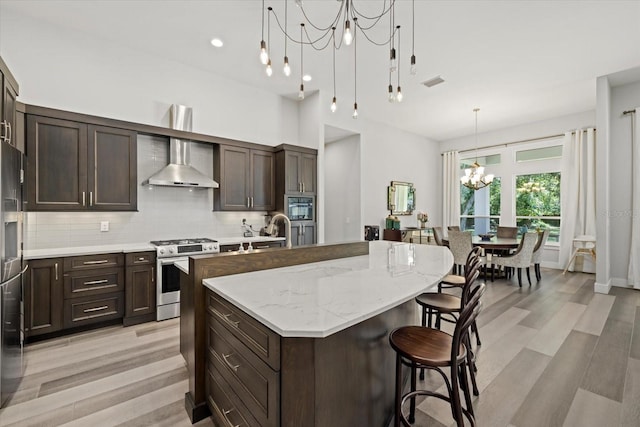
179	173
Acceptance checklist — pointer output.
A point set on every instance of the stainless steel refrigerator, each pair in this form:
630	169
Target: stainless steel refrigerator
11	300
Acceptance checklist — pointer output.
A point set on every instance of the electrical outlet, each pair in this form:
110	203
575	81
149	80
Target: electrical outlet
104	225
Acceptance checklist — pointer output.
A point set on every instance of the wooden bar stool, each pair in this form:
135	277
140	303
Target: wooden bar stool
423	347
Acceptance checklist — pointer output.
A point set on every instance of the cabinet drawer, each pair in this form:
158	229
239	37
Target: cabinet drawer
87	310
229	248
93	282
261	340
226	408
255	383
93	261
140	258
265	245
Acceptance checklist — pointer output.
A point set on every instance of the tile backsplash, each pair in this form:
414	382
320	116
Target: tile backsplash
163	212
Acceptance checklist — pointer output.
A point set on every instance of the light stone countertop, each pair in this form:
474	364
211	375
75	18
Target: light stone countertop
318	299
125	247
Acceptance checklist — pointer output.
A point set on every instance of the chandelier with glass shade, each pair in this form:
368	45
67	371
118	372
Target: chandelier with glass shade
349	21
474	177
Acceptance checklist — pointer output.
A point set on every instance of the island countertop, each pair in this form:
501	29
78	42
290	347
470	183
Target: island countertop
319	299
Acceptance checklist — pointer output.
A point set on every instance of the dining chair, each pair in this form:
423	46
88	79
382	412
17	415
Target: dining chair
438	236
508	232
423	347
460	244
537	252
453	227
520	259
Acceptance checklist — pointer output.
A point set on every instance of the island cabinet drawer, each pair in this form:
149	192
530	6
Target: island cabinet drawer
266	245
93	282
226	408
93	261
253	381
258	338
140	258
92	309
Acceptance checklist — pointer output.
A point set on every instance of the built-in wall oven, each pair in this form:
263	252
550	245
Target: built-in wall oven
168	276
300	208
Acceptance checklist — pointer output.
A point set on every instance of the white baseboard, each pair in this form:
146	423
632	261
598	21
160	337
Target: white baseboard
602	288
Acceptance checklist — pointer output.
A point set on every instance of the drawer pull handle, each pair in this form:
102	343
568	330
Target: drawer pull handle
225	413
233	367
91	310
102	261
141	258
234	323
96	282
262	247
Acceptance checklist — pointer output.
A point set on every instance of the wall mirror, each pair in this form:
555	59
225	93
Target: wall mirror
401	199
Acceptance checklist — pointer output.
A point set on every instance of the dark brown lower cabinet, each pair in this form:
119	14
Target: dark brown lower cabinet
140	288
43	296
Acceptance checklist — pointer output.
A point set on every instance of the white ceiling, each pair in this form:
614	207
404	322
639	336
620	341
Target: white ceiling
518	61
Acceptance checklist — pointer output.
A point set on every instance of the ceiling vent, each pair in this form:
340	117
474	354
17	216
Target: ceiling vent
434	81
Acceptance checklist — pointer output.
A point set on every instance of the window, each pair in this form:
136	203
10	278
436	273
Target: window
538	203
525	192
480	210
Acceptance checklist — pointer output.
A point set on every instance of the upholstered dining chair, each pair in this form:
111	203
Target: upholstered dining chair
508	232
460	244
520	259
537	253
438	236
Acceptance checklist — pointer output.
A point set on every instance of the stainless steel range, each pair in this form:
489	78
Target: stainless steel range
168	281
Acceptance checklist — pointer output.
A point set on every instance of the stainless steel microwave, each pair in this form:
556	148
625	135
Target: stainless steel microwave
300	208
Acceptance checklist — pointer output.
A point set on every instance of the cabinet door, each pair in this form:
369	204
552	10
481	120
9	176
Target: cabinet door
307	235
140	290
9	112
292	172
112	169
56	164
263	180
43	297
234	179
307	172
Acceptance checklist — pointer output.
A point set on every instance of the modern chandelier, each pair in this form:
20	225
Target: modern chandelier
474	177
349	22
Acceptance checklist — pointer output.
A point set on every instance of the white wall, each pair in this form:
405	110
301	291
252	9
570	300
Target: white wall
342	190
624	97
59	68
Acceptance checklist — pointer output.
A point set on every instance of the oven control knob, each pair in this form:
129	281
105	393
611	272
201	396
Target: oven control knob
161	251
209	247
170	250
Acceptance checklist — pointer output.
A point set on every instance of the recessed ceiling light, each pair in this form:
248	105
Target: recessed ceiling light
216	42
306	78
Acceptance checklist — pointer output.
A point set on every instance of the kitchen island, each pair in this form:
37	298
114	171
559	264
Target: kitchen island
304	340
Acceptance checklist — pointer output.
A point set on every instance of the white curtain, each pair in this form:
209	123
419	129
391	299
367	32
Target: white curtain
450	189
578	189
634	253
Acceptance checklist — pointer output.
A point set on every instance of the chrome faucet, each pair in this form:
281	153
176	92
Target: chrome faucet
287	233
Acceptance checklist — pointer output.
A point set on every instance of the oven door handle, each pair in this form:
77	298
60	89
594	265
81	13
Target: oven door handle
167	261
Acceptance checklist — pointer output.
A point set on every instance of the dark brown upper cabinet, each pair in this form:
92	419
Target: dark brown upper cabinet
9	131
73	166
246	178
297	170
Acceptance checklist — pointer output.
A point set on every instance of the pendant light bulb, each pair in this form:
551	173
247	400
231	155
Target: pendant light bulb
413	69
355	110
269	70
348	37
334	105
399	97
301	93
264	56
391	96
287	68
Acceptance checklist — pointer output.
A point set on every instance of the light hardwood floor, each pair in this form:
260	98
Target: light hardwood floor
553	354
